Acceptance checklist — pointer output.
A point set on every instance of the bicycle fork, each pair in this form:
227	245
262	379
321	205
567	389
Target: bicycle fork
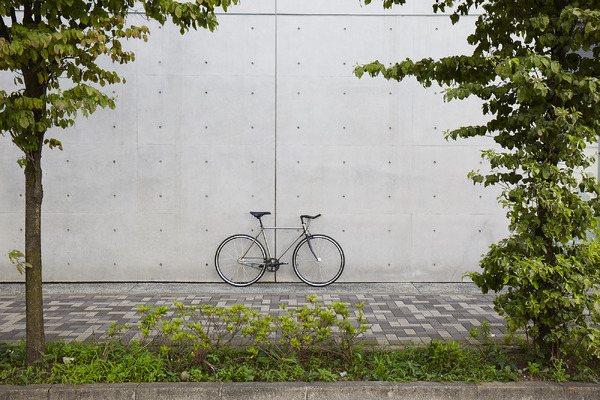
317	258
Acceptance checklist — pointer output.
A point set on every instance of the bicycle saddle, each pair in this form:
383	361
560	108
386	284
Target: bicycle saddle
260	213
310	216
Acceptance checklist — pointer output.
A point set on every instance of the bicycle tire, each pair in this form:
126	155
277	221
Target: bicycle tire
324	270
240	260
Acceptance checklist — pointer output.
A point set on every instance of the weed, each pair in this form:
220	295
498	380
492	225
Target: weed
534	369
310	343
585	373
324	375
558	370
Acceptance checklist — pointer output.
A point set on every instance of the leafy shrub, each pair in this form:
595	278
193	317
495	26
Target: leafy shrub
554	304
308	343
188	334
317	327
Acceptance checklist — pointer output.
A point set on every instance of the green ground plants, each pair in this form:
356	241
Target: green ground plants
196	331
314	342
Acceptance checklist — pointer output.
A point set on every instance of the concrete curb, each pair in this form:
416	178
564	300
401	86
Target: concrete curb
150	288
307	391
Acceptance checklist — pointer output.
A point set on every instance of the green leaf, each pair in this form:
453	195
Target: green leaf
24	122
17	258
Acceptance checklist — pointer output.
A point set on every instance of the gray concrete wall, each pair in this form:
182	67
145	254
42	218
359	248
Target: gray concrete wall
265	114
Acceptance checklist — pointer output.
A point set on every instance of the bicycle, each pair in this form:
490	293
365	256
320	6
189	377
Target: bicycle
318	260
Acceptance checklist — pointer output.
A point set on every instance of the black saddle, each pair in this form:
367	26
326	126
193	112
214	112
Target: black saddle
310	216
259	214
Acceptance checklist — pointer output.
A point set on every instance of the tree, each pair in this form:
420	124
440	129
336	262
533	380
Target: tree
52	48
534	65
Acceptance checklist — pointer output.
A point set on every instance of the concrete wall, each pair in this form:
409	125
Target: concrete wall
265	115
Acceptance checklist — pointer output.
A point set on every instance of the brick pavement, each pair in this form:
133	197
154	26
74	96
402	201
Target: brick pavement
394	318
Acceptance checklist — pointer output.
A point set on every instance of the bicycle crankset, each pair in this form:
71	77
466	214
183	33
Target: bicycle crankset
273	264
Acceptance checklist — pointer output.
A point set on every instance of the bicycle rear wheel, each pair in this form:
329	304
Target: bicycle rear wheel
318	260
240	260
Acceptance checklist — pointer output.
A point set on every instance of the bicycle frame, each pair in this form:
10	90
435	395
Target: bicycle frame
305	233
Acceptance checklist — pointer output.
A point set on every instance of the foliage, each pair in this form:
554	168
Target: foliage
47	44
493	352
558	371
534	66
188	335
9	355
191	333
236	344
77	363
17	258
53	50
328	328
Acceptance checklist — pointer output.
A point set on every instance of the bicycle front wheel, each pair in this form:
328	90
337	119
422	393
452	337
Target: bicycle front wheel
318	260
240	260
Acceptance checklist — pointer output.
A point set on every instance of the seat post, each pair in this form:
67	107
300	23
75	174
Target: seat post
259	215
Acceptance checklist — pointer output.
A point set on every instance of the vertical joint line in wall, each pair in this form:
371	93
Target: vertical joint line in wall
275	139
275	117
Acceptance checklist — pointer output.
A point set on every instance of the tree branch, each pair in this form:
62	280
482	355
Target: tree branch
37	13
4	30
13	16
560	4
27	16
518	10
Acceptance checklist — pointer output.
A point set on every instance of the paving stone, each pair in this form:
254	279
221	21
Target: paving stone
395	317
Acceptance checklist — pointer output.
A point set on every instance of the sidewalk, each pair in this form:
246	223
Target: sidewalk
398	313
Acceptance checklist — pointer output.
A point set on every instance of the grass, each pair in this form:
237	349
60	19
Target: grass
114	362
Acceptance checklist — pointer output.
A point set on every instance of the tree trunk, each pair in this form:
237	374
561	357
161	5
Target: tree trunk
35	339
35	345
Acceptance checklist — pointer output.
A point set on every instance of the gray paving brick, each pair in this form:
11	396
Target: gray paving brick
395	318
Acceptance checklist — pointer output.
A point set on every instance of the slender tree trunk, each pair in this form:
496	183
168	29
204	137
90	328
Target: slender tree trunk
549	258
34	314
35	339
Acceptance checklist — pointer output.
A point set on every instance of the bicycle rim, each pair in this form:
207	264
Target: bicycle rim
240	260
320	263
